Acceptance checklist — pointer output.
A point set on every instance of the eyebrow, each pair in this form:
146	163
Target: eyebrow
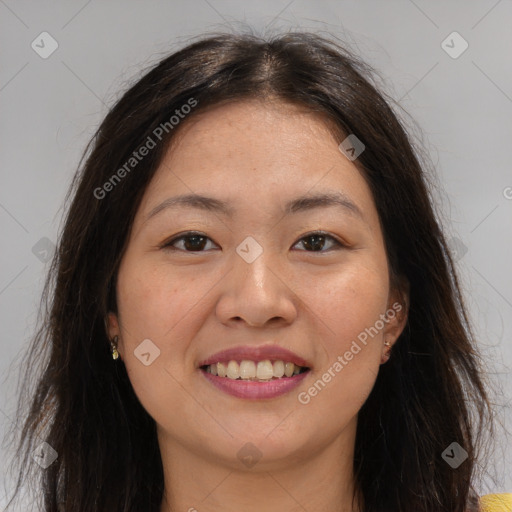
301	204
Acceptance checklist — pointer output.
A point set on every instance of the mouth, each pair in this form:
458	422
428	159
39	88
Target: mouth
254	371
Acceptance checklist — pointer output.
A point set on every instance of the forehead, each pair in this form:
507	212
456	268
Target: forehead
264	151
255	128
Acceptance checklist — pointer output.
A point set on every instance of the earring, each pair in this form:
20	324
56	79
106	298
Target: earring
389	347
113	346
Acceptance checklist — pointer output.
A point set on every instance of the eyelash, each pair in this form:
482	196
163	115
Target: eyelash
189	234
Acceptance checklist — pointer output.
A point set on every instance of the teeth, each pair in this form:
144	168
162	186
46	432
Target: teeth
250	370
264	370
278	369
233	371
221	370
247	370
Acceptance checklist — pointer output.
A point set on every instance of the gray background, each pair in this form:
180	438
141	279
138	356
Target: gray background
50	107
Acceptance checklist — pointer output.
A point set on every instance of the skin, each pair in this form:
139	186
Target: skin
256	156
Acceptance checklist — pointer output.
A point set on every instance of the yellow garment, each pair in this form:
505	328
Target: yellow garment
496	502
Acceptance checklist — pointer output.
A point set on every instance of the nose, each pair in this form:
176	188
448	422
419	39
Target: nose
257	293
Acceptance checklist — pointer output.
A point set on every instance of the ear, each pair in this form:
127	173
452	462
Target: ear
113	330
113	325
396	315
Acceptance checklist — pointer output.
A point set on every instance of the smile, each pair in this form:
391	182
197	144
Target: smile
255	371
255	380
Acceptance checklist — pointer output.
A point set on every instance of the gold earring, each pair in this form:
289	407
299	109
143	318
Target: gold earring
387	354
113	345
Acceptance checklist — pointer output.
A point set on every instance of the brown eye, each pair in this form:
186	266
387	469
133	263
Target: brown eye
315	242
197	242
191	242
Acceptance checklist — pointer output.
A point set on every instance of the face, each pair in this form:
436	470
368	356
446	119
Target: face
259	269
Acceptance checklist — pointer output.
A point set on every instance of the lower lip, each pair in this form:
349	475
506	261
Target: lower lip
256	390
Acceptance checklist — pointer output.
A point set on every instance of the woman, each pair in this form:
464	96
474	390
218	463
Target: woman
252	306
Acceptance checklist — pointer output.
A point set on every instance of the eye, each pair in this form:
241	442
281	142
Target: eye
315	242
196	242
192	242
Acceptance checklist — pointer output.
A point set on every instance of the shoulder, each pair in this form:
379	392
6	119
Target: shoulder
496	502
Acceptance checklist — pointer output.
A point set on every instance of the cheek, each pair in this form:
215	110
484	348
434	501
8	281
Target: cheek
349	302
154	305
154	301
348	308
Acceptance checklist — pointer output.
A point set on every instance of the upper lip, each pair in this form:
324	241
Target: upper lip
252	353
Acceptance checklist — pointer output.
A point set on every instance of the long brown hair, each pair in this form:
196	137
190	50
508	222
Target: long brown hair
429	395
